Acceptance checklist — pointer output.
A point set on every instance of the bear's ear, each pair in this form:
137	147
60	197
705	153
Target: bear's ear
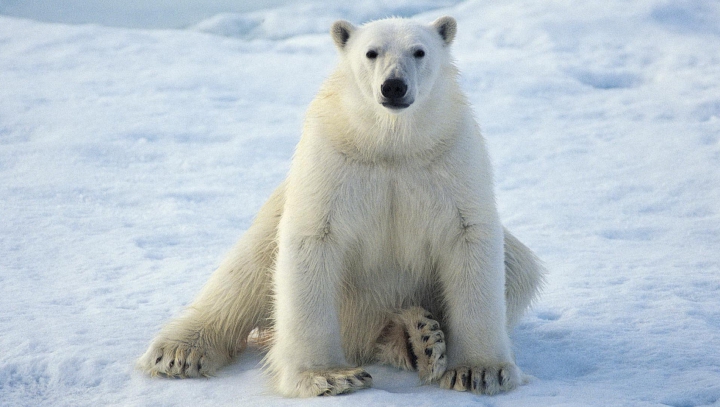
341	31
446	27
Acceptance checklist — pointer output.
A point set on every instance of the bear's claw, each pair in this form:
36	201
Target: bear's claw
176	359
427	344
482	380
334	382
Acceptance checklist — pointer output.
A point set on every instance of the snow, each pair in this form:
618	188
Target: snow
133	156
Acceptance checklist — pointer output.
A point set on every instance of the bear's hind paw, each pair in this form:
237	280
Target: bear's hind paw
413	340
426	341
179	360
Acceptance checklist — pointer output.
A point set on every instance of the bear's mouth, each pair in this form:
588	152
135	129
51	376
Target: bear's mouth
396	105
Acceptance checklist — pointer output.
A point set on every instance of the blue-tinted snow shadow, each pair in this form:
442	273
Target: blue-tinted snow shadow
548	350
688	16
606	79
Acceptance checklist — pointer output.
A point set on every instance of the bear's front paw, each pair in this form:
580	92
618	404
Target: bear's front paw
483	379
332	382
176	359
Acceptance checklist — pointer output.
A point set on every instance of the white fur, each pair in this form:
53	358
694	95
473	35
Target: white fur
383	209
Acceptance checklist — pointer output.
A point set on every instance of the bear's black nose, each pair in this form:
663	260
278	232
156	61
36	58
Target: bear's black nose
393	88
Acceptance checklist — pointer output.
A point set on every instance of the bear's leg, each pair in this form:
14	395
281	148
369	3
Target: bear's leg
236	300
307	357
412	340
472	273
524	276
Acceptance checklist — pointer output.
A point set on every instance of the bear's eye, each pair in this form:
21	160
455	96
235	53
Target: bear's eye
371	54
419	53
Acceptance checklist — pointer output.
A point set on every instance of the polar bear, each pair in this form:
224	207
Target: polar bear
382	245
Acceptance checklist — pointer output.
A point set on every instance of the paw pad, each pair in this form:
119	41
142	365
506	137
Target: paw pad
426	344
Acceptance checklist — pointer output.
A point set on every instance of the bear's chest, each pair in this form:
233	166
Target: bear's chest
396	215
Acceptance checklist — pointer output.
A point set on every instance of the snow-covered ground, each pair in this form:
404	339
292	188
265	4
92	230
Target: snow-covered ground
132	159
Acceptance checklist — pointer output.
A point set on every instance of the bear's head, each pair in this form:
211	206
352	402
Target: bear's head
395	62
